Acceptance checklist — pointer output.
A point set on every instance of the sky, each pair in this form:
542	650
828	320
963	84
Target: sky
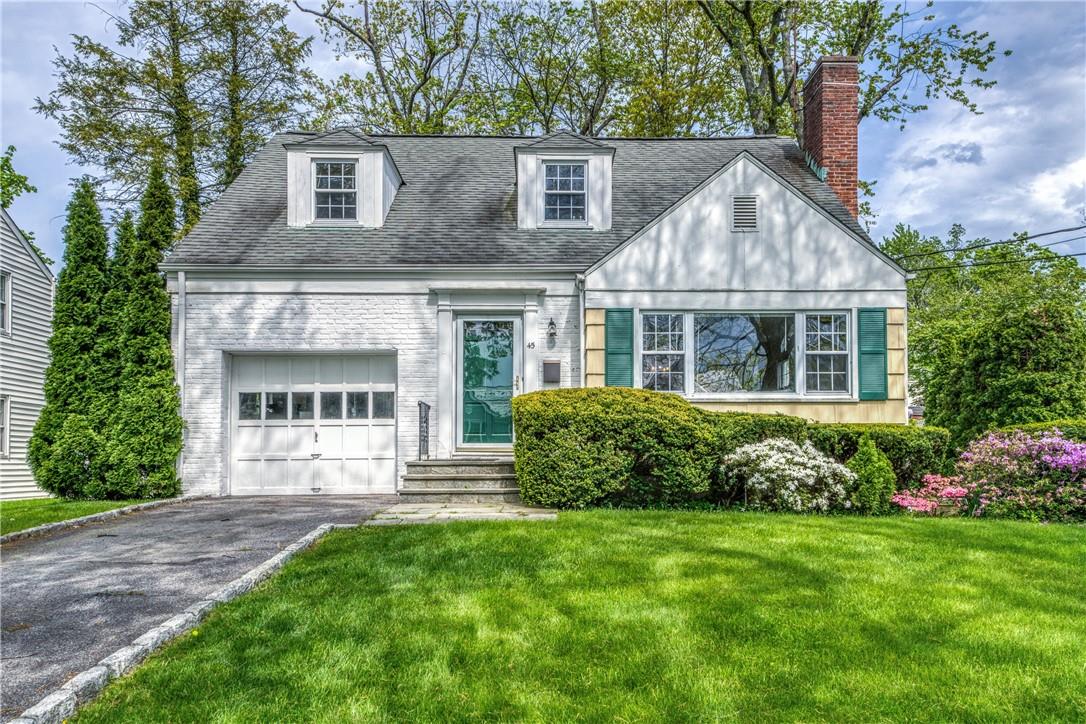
1019	166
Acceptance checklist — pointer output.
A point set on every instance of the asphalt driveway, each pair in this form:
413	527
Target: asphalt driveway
74	597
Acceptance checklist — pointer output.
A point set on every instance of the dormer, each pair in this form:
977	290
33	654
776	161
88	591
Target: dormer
340	178
564	181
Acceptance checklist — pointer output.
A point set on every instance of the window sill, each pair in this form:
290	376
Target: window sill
336	224
565	225
754	397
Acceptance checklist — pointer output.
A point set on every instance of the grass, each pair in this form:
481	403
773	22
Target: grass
644	616
18	515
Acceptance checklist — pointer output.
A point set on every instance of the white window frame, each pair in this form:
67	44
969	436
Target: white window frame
799	354
560	223
5	426
652	353
5	303
847	353
313	185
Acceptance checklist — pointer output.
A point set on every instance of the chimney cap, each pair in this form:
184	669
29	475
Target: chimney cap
830	60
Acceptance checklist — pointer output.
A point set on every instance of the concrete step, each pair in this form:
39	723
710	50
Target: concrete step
459	481
457	495
461	466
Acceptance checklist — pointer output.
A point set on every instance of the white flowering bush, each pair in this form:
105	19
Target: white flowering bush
778	474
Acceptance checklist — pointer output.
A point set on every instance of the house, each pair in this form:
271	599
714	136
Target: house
353	303
26	313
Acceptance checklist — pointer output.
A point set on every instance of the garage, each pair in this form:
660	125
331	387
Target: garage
313	424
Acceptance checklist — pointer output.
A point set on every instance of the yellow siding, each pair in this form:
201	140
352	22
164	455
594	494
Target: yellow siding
595	357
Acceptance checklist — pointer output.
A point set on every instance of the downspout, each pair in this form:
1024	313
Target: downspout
580	282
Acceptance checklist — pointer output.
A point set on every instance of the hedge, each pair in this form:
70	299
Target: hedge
620	446
913	450
1073	428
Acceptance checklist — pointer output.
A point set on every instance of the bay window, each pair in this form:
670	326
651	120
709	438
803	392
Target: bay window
746	353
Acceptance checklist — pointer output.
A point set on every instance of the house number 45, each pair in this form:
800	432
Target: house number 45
531	345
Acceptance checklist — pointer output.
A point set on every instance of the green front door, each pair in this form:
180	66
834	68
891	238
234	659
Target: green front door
488	354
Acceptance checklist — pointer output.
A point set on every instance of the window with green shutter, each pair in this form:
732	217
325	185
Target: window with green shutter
871	346
618	347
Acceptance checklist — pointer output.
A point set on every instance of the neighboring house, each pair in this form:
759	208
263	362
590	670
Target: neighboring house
26	313
344	279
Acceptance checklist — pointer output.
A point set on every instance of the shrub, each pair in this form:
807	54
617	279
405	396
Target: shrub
1040	476
779	474
72	461
912	450
875	481
1072	429
938	491
632	446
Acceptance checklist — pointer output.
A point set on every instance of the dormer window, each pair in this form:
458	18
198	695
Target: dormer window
564	194
335	191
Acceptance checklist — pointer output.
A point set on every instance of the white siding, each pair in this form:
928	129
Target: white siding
229	316
24	355
795	251
530	186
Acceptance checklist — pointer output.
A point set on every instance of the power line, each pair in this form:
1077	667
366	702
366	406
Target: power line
992	243
995	263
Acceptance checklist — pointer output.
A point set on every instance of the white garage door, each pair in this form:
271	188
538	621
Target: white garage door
313	424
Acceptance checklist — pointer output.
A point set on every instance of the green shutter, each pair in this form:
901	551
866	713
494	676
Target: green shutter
618	346
871	338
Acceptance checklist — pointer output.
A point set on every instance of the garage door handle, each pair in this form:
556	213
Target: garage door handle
316	436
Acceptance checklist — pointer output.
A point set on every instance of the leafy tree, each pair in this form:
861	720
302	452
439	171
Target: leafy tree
774	45
12	185
422	52
995	330
74	377
196	82
145	427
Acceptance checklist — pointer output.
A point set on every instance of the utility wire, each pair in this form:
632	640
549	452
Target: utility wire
992	243
994	263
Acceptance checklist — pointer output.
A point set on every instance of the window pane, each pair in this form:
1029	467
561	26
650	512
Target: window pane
744	353
358	405
331	405
662	332
301	405
275	405
384	405
248	405
663	372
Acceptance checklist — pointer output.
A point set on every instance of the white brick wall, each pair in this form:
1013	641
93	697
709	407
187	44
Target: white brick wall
220	323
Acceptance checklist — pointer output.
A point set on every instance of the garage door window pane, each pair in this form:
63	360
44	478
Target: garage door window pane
331	405
384	405
301	405
275	406
358	405
249	406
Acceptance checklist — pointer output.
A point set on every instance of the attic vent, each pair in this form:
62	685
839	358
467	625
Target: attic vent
744	213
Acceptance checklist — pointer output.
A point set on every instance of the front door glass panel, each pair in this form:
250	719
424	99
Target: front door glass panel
487	382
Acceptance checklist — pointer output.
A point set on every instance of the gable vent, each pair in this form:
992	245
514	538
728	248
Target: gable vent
744	213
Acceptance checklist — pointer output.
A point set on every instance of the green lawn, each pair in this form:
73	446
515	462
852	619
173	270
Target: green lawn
22	514
644	616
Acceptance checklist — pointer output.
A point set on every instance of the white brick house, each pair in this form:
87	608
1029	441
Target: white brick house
343	279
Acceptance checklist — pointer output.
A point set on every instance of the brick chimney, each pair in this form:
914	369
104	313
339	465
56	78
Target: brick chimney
830	109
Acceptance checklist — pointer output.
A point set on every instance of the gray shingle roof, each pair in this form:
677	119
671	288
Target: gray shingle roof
458	204
564	139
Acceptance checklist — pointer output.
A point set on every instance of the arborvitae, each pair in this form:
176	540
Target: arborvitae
113	308
64	453
144	437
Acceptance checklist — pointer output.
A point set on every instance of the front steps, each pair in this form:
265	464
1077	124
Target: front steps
460	480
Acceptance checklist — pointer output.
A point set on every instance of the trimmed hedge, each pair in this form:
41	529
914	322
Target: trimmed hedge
1072	429
621	446
913	450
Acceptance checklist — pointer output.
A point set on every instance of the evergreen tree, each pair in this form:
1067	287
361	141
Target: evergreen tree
120	284
64	453
145	427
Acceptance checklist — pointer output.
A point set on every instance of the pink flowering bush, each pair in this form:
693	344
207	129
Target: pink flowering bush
1040	476
937	490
